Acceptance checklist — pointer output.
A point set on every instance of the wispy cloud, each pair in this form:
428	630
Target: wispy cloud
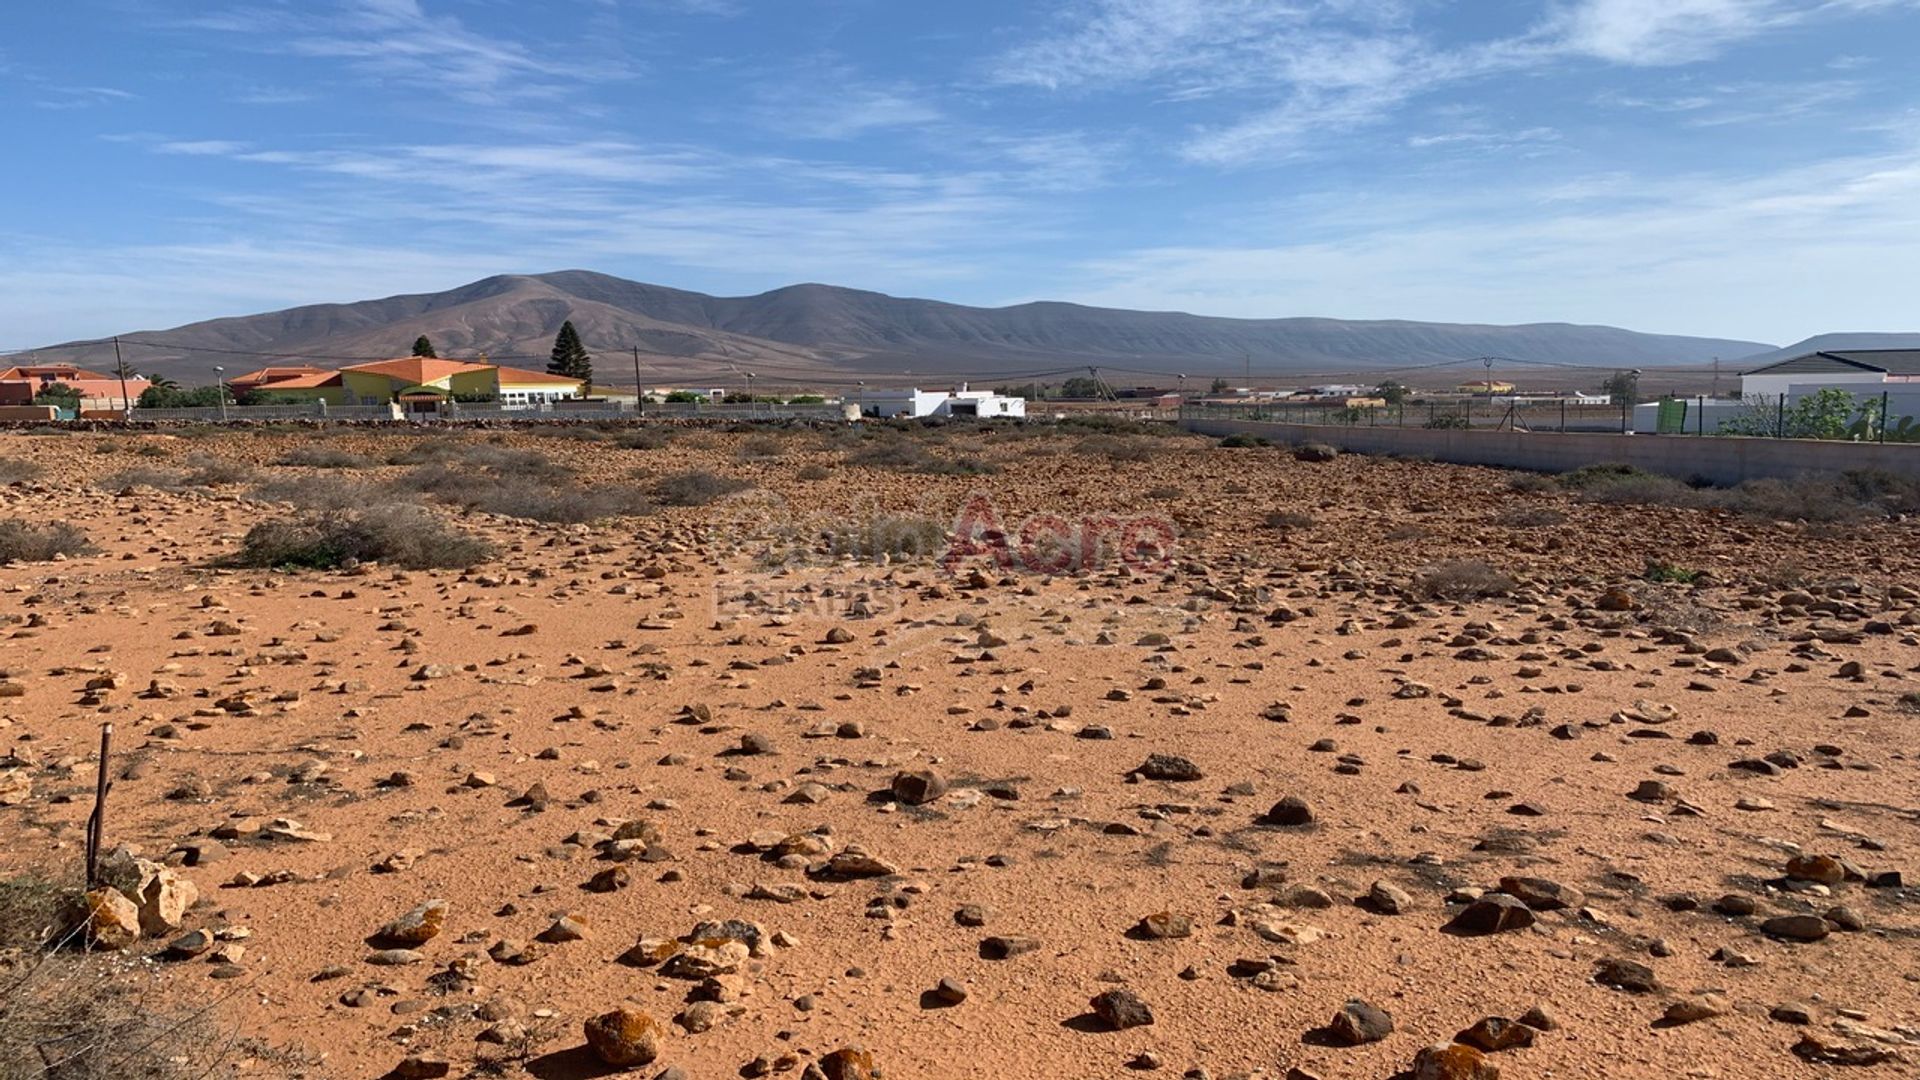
1625	249
1303	70
402	42
1664	32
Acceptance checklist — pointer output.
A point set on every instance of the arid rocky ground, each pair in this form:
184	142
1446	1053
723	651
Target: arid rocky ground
1701	793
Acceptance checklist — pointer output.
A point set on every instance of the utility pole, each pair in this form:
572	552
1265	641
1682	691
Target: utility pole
120	368
1248	357
1716	376
639	393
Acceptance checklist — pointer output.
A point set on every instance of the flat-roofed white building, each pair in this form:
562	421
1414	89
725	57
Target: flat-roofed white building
916	404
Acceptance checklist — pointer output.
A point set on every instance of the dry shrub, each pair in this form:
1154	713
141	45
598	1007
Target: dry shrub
565	506
1315	451
39	541
896	536
762	448
67	1015
1115	448
1462	579
201	471
411	537
696	488
1530	517
1532	484
1241	440
1290	519
319	493
14	470
644	439
325	457
813	472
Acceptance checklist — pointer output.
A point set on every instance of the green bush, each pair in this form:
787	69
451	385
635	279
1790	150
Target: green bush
1668	573
1241	440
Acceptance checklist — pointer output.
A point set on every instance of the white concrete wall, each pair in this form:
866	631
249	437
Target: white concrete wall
1772	386
1727	460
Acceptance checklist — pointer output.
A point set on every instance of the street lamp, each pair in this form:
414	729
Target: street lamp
220	385
750	409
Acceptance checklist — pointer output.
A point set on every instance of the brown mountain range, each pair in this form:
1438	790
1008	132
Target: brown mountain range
826	336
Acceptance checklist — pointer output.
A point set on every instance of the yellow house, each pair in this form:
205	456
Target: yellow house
521	387
417	382
1486	386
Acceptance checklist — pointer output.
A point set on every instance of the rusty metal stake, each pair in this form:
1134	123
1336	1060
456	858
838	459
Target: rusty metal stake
96	822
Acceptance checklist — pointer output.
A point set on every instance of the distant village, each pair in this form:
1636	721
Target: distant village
424	385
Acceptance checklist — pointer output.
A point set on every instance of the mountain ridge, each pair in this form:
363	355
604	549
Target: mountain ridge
823	333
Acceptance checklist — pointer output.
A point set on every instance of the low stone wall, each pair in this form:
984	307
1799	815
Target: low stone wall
1724	460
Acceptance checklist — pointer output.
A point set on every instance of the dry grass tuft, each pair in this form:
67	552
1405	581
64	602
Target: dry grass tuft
39	541
1462	579
411	537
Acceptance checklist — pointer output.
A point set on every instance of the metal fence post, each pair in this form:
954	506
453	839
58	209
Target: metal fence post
1780	417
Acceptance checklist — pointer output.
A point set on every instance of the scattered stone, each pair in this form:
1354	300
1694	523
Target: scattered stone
1122	1009
625	1037
1494	913
1290	812
1169	767
1358	1022
918	787
1453	1061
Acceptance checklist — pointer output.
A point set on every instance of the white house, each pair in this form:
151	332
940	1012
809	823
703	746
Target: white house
1857	370
917	403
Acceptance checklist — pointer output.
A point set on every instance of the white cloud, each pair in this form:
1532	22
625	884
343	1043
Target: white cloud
402	42
1663	32
1704	254
1298	71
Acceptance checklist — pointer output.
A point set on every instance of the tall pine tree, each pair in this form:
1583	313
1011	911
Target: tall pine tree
570	357
423	347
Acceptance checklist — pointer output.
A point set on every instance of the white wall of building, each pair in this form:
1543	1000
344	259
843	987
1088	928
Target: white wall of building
919	404
1772	386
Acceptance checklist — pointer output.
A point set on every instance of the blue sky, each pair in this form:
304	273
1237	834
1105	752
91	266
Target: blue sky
1745	168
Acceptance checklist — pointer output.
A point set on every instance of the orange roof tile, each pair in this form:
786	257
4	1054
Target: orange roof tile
522	377
280	374
418	369
312	381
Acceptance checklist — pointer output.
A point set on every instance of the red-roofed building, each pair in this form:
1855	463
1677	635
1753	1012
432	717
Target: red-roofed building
21	383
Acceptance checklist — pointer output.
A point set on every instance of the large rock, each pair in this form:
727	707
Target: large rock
161	895
1542	894
102	918
416	927
918	787
1801	928
1122	1009
1169	767
16	787
625	1037
1358	1022
1291	812
1494	913
1824	869
848	1064
1452	1061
